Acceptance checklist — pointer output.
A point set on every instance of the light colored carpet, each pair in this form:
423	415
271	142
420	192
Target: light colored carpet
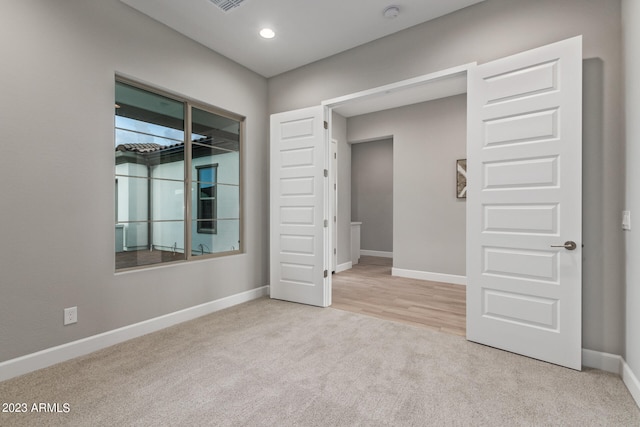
280	364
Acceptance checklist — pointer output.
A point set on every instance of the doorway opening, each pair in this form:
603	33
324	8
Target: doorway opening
372	196
422	130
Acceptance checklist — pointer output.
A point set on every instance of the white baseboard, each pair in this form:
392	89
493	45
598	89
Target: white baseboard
631	381
616	365
603	361
382	254
51	356
343	267
426	275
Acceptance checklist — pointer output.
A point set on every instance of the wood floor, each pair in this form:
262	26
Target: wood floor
369	288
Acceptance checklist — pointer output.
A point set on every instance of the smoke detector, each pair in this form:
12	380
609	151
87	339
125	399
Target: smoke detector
391	12
227	5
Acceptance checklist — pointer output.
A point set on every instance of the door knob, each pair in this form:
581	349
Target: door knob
568	245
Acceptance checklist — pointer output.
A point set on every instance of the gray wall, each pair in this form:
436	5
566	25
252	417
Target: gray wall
631	22
491	30
59	59
372	193
428	220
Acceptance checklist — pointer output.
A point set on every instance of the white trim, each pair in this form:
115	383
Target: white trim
374	139
603	361
382	254
427	275
631	381
616	365
51	356
392	87
344	267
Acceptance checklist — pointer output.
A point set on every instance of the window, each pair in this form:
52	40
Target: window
207	211
177	171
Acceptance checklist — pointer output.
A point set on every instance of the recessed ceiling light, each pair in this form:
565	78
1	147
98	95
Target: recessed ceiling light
267	33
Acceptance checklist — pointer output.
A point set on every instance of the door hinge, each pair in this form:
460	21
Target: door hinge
326	273
335	251
326	223
334	218
326	124
326	173
335	155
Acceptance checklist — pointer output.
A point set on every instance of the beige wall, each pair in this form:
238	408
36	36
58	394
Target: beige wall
59	59
491	30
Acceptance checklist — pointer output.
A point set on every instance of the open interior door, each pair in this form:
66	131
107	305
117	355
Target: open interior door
524	203
299	234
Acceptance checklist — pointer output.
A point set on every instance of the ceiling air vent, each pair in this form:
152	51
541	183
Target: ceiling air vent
227	5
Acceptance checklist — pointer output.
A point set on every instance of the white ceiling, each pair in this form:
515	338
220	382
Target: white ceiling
306	30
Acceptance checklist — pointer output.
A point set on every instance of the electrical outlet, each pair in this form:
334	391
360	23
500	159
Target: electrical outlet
70	315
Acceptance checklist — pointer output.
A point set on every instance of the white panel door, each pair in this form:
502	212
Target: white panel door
524	293
299	207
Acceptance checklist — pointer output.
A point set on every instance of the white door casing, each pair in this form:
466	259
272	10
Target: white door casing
524	196
299	194
333	190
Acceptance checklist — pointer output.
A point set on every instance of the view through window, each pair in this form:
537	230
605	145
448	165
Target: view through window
177	178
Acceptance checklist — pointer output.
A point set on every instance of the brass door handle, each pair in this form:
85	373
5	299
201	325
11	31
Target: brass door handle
568	245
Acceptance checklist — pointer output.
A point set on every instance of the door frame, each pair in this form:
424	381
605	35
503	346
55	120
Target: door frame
439	84
428	87
333	201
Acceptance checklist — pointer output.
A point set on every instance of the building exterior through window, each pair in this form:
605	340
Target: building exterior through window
177	178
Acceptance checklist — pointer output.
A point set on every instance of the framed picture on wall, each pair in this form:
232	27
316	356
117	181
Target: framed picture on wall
461	178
